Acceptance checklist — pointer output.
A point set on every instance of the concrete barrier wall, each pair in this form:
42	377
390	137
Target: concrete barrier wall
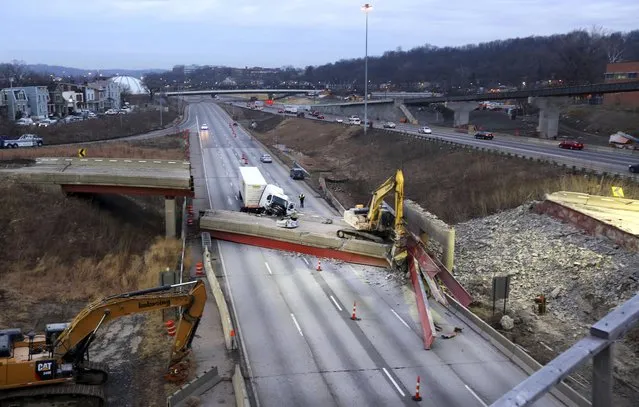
423	222
196	387
561	391
239	388
328	195
225	316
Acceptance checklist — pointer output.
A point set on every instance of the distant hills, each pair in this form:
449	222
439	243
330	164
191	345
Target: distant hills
70	71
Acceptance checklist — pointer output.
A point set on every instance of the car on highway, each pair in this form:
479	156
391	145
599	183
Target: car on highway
266	158
484	135
338	120
389	125
280	110
571	145
320	116
204	126
633	168
234	123
424	130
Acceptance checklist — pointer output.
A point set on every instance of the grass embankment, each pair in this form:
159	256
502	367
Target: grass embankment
166	147
454	183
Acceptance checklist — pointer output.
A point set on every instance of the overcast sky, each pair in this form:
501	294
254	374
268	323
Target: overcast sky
273	33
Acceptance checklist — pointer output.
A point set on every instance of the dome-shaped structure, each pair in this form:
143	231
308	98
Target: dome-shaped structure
133	85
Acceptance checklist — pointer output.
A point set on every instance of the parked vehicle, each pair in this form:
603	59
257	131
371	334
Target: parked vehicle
571	145
25	121
297	173
290	109
258	196
389	125
354	120
484	135
633	168
26	140
425	130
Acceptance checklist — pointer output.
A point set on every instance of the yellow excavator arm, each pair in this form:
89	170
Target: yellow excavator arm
72	343
374	211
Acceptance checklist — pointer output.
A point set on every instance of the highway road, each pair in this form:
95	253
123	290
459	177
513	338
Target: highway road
613	161
294	322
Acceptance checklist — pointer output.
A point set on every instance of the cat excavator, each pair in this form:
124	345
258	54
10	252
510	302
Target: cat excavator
377	222
53	369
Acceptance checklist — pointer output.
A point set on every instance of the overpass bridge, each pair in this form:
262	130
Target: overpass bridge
548	100
168	178
235	92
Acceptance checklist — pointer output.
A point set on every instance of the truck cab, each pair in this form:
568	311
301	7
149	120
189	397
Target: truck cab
276	201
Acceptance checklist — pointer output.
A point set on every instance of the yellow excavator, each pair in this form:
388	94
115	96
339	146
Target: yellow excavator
376	222
53	369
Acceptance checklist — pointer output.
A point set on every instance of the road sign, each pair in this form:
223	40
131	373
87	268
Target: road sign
82	152
501	289
617	192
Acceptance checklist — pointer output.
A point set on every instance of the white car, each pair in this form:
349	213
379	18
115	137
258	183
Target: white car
204	126
25	121
425	130
389	125
339	120
46	122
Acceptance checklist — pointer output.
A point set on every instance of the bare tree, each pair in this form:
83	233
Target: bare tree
615	46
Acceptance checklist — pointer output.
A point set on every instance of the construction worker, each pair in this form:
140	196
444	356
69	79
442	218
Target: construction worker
302	199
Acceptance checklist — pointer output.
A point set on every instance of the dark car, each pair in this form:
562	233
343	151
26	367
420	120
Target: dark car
633	168
484	135
571	145
234	123
280	110
297	173
320	116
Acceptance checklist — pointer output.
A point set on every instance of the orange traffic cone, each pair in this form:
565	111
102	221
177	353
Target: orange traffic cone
170	327
354	314
319	266
417	396
199	269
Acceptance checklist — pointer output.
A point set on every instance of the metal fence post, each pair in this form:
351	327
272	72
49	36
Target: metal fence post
602	378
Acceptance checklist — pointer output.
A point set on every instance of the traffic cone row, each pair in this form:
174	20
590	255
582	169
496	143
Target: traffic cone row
170	327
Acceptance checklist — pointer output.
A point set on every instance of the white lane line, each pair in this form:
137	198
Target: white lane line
268	268
172	162
400	318
306	261
141	161
128	161
399	389
93	160
296	324
335	302
476	396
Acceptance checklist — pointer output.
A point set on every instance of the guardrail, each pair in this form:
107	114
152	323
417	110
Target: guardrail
598	345
194	388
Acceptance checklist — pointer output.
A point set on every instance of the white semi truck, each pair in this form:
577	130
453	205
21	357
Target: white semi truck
259	197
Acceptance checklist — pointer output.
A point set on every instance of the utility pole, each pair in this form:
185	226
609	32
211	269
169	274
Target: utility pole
366	8
161	123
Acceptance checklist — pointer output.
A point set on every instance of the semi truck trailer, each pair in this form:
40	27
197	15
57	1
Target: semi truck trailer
257	196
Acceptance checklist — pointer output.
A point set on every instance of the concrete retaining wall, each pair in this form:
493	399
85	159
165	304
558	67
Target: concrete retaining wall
328	196
376	111
562	391
195	388
225	316
239	388
591	225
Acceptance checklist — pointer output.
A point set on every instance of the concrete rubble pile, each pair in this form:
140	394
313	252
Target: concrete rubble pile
582	276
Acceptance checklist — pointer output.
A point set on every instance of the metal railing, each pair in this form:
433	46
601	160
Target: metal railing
598	345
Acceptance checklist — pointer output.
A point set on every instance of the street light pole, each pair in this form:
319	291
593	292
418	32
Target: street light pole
366	8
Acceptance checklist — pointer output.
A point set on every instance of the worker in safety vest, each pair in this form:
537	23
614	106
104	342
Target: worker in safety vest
302	200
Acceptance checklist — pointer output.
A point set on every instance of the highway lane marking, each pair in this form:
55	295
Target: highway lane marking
141	161
296	324
172	162
113	161
128	161
476	396
268	268
335	302
400	318
93	160
157	162
306	261
399	389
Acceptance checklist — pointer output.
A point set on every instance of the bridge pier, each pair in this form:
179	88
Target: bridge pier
169	215
462	111
549	109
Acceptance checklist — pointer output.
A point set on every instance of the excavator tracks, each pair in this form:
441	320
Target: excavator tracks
55	395
85	392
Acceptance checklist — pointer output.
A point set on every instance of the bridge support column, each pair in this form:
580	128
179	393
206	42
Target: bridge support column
549	109
602	378
169	215
462	111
